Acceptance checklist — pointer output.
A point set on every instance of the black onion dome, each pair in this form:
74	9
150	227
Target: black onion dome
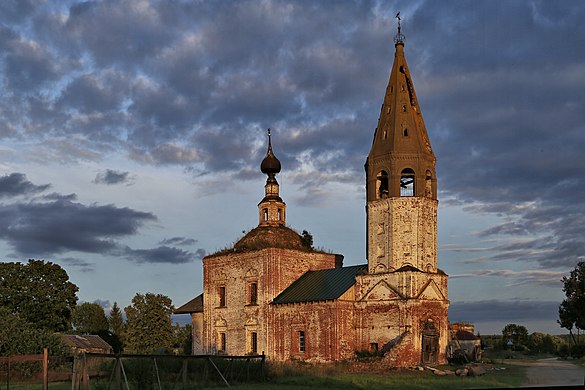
270	164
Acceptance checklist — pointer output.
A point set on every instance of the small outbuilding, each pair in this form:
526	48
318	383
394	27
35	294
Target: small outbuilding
87	343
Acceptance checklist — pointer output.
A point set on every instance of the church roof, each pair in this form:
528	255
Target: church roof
401	129
270	237
195	305
270	164
321	285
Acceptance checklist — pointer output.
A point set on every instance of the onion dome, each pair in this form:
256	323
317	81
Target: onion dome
270	165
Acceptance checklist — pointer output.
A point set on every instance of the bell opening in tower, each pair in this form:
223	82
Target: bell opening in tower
407	182
382	185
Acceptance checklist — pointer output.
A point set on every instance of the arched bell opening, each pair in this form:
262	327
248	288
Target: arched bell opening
382	185
407	182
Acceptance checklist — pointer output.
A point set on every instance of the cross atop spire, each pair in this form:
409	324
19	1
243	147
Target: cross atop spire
399	37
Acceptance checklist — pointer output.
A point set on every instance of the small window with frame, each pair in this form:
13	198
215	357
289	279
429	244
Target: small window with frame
302	341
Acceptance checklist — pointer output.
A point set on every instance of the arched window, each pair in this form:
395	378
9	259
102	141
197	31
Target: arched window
382	184
265	211
407	182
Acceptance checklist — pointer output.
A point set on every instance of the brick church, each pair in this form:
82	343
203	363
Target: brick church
273	293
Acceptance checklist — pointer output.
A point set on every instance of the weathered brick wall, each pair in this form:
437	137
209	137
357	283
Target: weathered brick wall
327	326
272	269
402	231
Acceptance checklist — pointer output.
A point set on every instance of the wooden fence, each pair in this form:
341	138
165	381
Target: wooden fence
44	357
193	370
127	371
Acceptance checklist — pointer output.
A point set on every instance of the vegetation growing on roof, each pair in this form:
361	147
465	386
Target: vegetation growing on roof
263	237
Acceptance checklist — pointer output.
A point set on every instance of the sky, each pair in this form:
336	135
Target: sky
131	136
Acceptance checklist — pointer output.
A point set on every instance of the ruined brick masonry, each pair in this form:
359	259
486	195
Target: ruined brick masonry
272	293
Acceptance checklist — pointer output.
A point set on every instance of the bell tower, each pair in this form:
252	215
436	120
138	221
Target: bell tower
401	184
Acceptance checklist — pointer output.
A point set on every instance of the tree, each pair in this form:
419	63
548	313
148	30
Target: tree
116	320
517	333
149	328
89	318
18	337
307	239
39	292
572	309
182	339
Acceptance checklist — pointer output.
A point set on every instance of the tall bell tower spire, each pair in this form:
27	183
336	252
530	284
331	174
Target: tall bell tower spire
272	209
401	185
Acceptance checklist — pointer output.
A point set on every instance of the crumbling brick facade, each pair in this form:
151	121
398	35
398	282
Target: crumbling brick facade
272	293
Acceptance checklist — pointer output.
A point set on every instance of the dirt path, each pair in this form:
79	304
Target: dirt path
553	372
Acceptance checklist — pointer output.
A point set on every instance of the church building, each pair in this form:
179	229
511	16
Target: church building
272	293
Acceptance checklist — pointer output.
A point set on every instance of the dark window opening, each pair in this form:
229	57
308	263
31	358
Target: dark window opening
407	182
404	108
254	342
222	342
382	185
222	296
405	132
253	293
301	341
280	214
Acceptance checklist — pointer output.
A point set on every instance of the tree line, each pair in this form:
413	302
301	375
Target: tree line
38	301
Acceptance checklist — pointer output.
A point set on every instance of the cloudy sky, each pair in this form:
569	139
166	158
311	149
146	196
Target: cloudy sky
131	134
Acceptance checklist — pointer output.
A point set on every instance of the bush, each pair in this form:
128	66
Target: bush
578	351
365	354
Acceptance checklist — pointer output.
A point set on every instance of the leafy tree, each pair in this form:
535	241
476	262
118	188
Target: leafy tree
517	333
149	328
572	309
89	318
183	339
18	337
307	239
39	292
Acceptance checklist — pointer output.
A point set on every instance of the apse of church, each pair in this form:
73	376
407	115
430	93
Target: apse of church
272	293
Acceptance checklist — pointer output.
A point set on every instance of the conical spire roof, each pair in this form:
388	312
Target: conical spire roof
401	129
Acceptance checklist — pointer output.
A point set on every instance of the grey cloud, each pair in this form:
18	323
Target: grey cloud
34	229
181	241
161	254
194	84
111	177
61	197
515	311
84	266
16	184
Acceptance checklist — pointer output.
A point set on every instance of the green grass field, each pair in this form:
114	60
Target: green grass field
513	376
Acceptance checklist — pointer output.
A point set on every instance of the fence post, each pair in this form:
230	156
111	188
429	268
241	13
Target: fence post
8	377
185	364
74	376
45	369
118	373
85	373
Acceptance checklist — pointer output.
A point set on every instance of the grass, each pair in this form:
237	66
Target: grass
312	377
36	386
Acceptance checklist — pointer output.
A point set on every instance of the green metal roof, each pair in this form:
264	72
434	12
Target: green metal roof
320	285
